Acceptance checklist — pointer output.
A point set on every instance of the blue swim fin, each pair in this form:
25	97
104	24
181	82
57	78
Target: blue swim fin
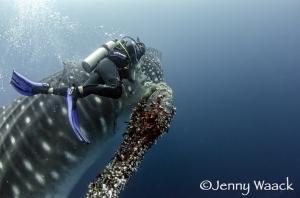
73	116
27	87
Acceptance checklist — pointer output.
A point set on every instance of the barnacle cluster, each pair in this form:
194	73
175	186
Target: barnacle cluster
149	120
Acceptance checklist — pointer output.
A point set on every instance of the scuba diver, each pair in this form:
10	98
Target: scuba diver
108	65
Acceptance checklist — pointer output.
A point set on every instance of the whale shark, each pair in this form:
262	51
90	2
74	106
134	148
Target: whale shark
39	155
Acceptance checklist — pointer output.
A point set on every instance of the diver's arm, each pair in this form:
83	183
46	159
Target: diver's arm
119	58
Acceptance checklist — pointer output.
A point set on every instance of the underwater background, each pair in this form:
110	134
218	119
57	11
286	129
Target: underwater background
234	67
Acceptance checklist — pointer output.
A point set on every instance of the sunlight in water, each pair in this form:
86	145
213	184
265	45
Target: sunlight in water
38	29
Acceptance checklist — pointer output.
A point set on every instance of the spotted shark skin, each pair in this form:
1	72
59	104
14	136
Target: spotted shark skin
39	155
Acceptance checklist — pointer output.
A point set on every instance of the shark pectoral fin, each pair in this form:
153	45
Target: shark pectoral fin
73	117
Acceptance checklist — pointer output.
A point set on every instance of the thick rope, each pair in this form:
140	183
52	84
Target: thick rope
149	120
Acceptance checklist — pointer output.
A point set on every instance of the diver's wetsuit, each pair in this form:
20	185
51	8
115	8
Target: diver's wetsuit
106	79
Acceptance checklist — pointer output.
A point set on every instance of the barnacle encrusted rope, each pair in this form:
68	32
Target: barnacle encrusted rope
149	120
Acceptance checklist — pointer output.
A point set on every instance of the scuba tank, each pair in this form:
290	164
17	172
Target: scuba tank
90	62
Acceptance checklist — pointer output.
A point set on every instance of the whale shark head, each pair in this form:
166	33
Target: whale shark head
149	68
39	156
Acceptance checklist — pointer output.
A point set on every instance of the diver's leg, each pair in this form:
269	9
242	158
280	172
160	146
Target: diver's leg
94	78
106	72
111	91
112	88
29	88
25	86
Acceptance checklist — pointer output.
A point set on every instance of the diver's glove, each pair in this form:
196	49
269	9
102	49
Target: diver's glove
27	87
72	95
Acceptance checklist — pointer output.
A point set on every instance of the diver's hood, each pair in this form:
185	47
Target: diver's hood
136	48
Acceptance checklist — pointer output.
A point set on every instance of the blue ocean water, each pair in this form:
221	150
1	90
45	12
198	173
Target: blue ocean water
234	67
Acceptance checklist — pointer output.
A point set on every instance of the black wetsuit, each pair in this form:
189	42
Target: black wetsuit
106	79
